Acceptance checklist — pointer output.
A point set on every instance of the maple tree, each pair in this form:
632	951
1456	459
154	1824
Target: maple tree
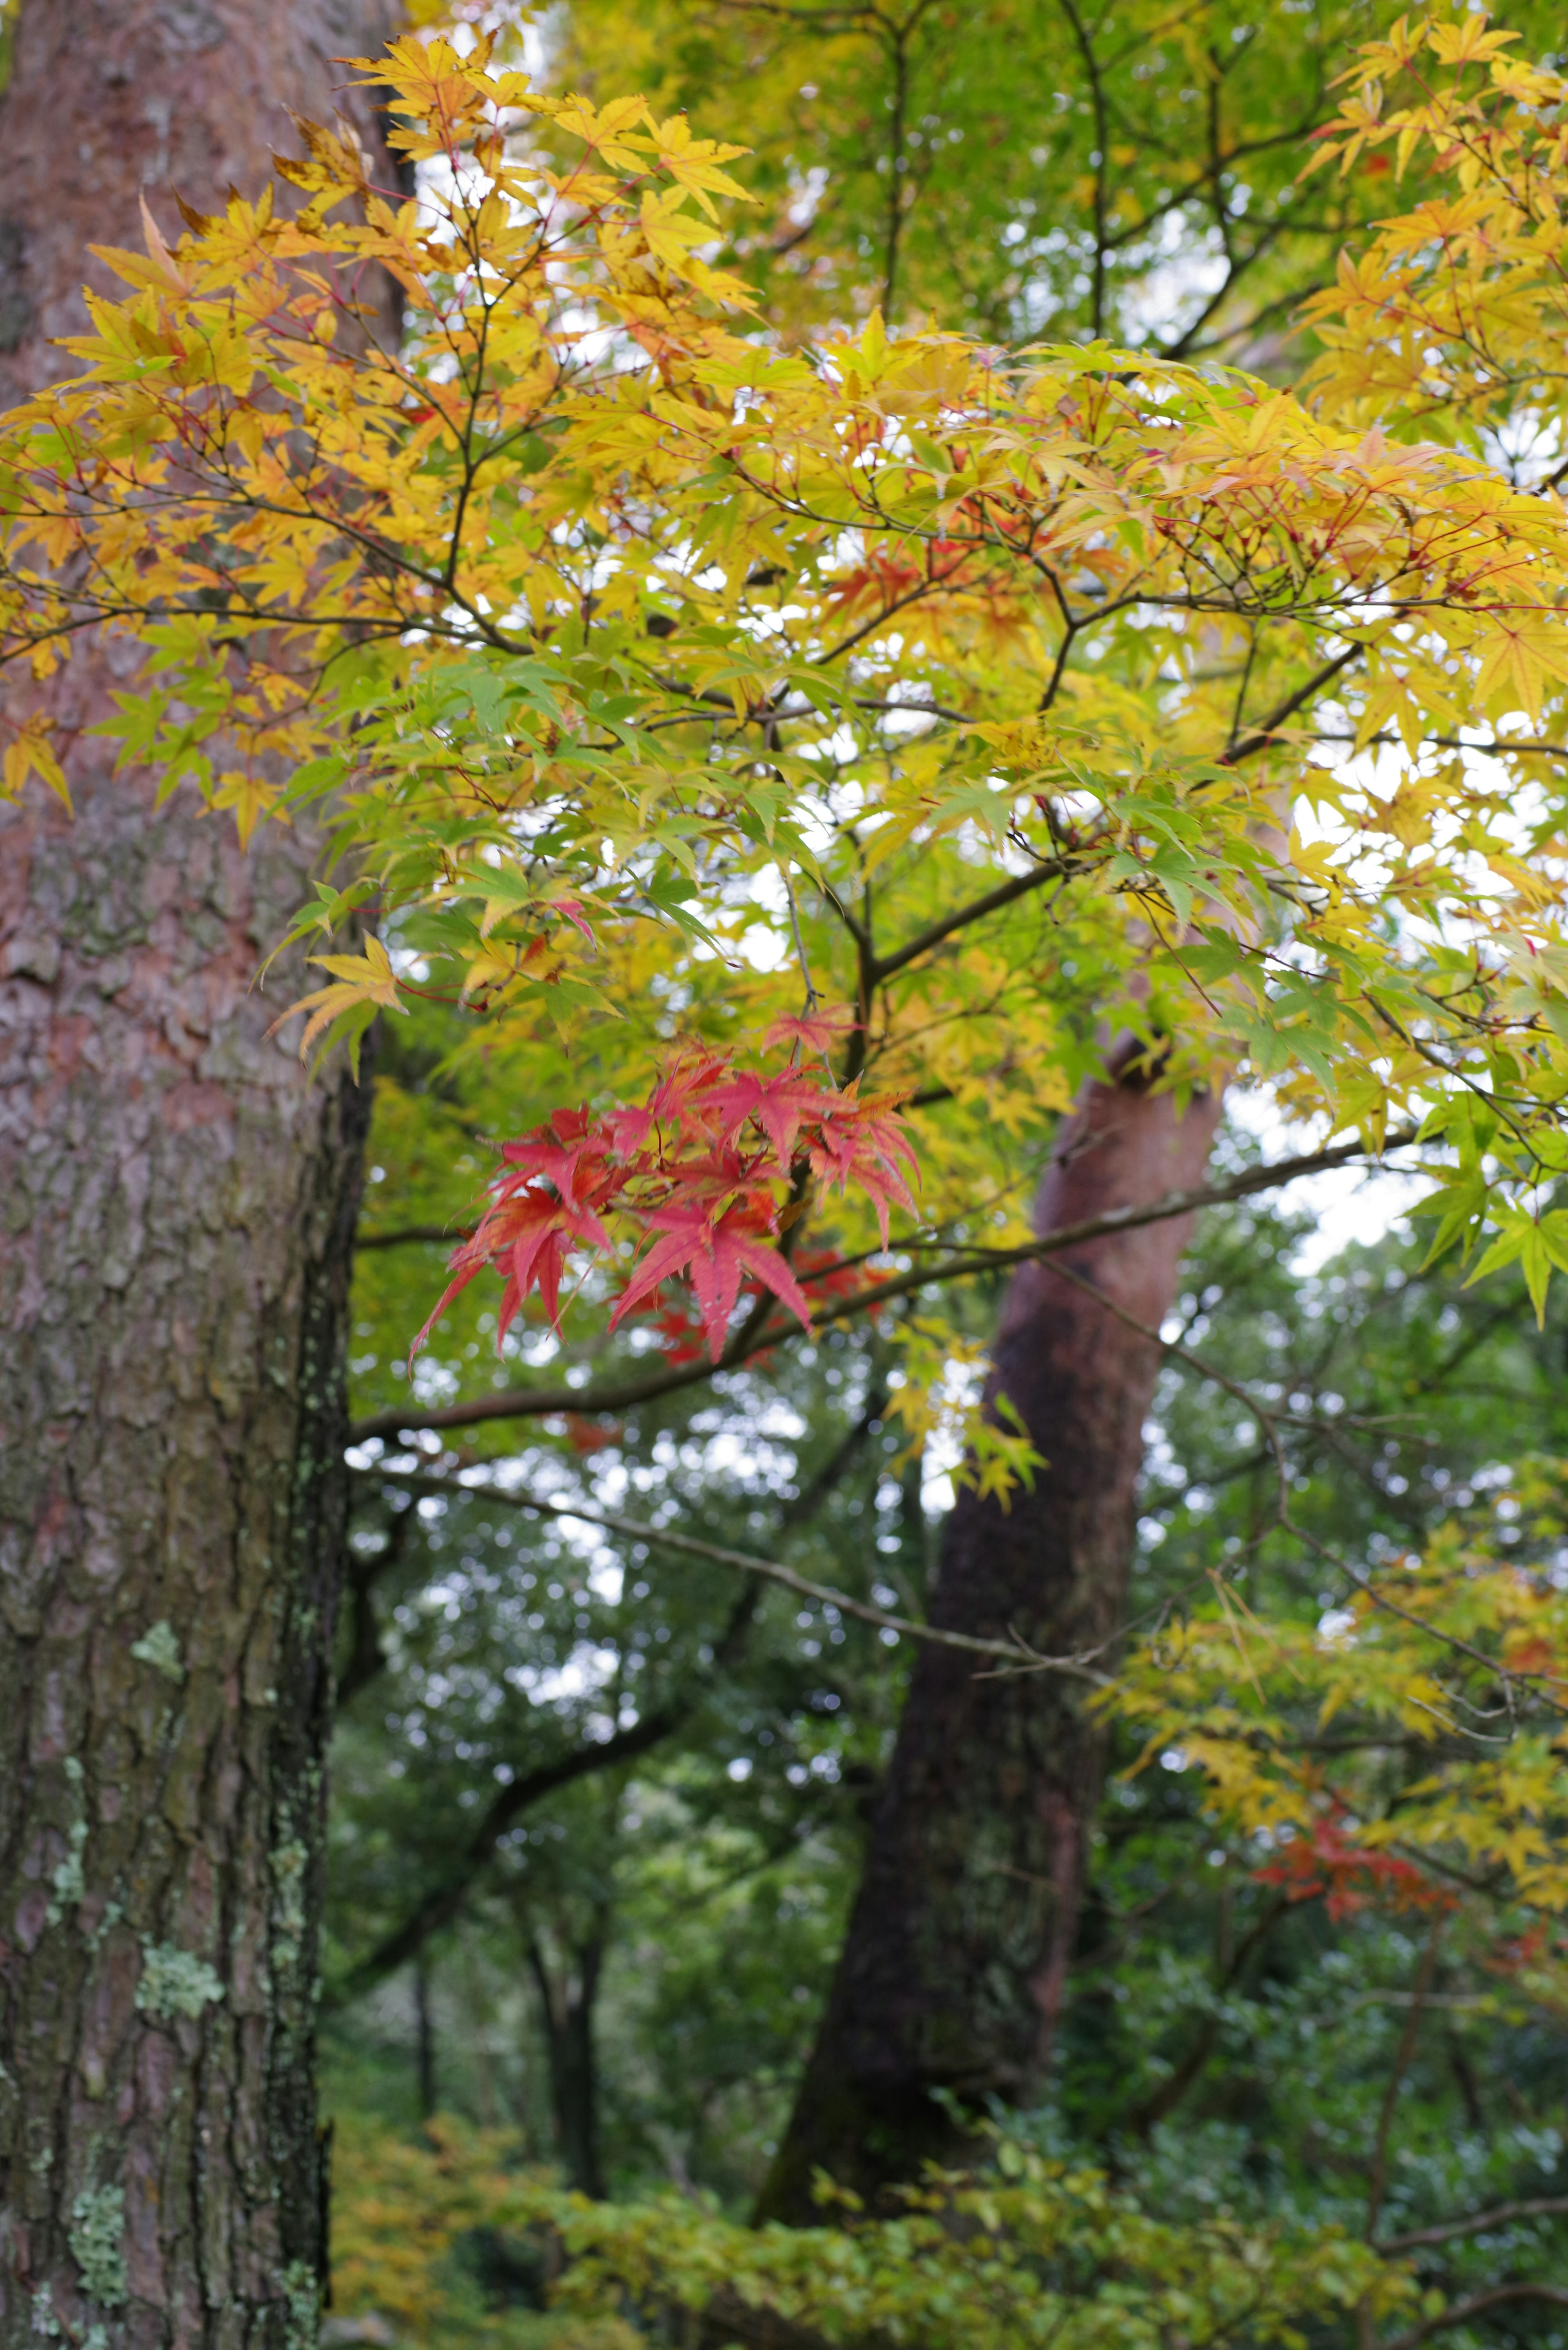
682	700
590	610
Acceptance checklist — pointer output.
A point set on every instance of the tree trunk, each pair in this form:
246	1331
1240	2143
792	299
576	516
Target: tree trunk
952	1974
567	2011
424	2037
178	1211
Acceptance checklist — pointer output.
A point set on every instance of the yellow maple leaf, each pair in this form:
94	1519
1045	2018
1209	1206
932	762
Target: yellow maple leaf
32	750
367	979
252	799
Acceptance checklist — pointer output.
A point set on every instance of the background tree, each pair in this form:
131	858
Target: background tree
1281	2086
175	1264
1223	2050
1021	173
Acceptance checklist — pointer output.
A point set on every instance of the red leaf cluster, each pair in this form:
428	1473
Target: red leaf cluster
1328	1862
700	1170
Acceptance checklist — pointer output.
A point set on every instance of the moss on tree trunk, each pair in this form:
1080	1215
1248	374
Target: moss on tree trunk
176	1216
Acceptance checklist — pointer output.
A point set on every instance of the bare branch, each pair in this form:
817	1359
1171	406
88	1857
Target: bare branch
1543	2207
1460	2313
1013	1651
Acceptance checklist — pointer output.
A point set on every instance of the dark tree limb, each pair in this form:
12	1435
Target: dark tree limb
1164	2100
1460	2312
442	1903
1379	2178
1477	2223
623	1394
367	1658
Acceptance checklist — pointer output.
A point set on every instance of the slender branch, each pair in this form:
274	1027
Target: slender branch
896	160
1460	2312
1054	869
1102	165
1542	2207
1263	734
668	1378
1378	2179
1013	1651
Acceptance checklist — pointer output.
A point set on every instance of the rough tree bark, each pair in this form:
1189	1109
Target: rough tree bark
176	1211
953	1969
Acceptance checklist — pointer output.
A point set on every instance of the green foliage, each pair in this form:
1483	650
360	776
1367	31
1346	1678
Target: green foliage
1046	170
1224	2049
1034	2250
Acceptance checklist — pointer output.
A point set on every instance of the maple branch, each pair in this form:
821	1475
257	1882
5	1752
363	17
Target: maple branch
1544	2207
1055	869
1263	734
1494	749
1013	1651
668	1378
1460	2312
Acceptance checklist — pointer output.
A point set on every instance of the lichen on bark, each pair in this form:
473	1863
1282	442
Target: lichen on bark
176	1213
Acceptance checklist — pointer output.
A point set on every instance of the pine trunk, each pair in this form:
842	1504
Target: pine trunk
178	1207
953	1971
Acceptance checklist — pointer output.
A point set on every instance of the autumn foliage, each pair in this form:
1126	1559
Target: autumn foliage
700	1170
591	609
1003	700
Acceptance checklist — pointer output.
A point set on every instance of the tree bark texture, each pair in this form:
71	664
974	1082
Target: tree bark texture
176	1216
953	1971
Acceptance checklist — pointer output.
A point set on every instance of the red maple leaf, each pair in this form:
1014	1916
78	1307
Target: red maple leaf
1329	1862
819	1031
716	1254
864	1142
780	1105
699	1163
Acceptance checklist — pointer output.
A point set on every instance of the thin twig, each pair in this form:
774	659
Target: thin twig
1378	2181
1543	2207
1015	1651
